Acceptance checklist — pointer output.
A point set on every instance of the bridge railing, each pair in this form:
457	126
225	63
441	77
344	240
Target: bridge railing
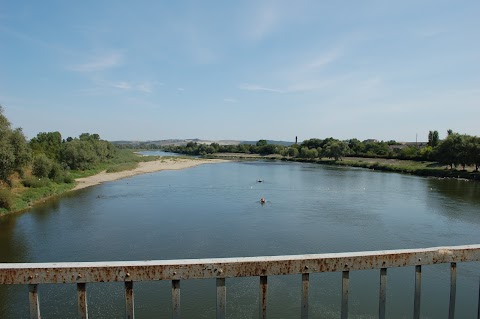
175	271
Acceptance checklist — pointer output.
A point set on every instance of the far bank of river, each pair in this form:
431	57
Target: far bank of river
418	168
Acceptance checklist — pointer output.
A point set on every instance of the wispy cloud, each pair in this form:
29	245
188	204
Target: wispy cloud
230	100
255	87
146	87
103	87
122	85
265	19
325	59
100	63
315	84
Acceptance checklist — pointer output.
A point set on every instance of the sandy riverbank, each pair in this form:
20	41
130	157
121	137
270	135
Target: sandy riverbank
143	168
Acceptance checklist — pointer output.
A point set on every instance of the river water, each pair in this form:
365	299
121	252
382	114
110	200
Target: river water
214	211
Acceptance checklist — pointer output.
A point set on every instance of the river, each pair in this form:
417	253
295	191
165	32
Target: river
214	211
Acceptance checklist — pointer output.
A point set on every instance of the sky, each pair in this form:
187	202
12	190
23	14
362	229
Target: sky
241	70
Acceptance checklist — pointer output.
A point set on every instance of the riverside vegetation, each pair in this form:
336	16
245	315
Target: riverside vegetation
458	155
48	165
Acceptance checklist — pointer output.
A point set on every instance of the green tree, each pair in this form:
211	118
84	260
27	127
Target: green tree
433	138
14	150
7	161
313	143
335	149
473	150
293	151
79	154
41	166
451	151
48	143
261	143
267	149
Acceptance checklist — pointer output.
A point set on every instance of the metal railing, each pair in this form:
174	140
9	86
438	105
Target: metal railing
82	273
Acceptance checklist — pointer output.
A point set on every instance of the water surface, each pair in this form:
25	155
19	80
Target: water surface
214	211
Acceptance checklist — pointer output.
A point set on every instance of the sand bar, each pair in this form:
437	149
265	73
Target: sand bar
143	168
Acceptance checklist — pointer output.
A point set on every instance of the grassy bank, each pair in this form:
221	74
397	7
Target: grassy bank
420	168
30	190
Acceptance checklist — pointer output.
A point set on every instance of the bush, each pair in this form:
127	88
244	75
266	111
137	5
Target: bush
56	172
34	182
41	166
67	178
6	199
122	167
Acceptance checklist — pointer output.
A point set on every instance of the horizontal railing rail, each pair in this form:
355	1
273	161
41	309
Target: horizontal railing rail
129	272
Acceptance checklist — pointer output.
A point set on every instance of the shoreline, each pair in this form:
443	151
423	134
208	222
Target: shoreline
143	168
102	177
410	167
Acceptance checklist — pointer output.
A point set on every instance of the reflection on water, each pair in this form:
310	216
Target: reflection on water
214	211
456	189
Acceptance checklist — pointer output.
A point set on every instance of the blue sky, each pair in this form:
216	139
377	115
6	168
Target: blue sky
244	70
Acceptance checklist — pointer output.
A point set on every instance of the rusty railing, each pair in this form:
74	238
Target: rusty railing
82	273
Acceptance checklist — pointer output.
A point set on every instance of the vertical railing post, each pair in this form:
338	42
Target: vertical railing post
34	302
478	310
82	300
418	292
453	290
305	285
383	293
176	299
263	297
345	288
129	300
221	298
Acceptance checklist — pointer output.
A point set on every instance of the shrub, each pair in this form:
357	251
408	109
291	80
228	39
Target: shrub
67	178
42	166
121	167
6	199
56	172
34	182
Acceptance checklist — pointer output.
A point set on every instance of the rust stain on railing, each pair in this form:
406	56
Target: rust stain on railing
176	270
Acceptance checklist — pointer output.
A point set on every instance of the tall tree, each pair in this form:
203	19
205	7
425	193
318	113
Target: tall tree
48	143
473	151
451	150
14	151
433	138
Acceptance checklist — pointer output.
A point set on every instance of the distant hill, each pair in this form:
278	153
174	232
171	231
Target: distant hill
180	142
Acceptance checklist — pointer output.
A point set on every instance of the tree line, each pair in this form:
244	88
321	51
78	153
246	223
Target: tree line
455	150
45	157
